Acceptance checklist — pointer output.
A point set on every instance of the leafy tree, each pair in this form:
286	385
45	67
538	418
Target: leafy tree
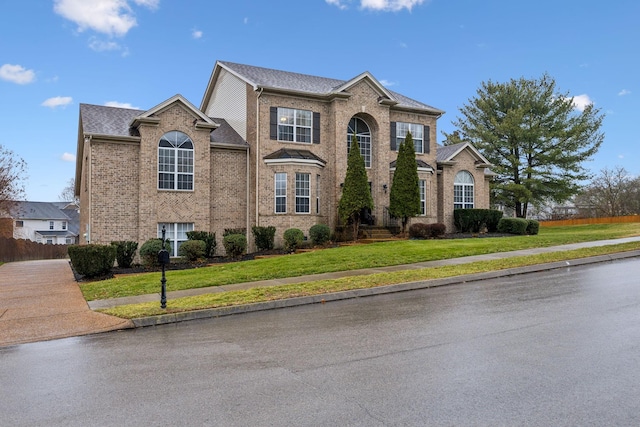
68	193
534	137
404	198
12	173
356	195
613	192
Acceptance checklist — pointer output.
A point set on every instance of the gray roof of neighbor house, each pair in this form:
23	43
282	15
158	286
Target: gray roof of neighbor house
314	85
38	210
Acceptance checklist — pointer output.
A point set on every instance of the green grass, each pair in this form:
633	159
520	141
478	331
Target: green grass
270	293
349	258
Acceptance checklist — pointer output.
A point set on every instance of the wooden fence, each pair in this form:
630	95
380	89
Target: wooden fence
24	250
585	221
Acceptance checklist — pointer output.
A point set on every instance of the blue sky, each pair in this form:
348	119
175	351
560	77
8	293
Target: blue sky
57	54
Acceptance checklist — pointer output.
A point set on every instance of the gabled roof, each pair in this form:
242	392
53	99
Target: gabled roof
101	120
226	135
447	153
420	163
176	99
305	84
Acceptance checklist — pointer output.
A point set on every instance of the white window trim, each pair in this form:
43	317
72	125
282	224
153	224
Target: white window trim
176	173
422	184
308	190
401	135
295	125
172	228
464	203
279	196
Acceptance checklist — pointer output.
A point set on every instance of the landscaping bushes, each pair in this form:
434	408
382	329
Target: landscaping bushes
533	227
292	239
427	231
513	226
92	260
192	250
319	234
125	252
209	240
235	244
264	237
149	251
474	220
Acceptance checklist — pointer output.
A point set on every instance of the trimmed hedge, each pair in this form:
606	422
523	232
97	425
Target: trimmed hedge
149	251
192	250
474	220
264	237
125	252
513	226
319	234
427	231
235	245
230	231
292	239
92	260
533	227
209	240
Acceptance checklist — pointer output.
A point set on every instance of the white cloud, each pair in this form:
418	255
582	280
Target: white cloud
387	83
57	101
624	92
120	105
103	46
246	21
68	157
196	34
17	74
580	102
382	5
111	17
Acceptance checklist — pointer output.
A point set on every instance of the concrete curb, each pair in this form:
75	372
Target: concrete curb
359	293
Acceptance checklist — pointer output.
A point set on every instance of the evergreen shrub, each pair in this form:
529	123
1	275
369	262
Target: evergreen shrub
92	260
125	252
292	239
474	220
192	250
264	237
209	240
513	226
533	227
235	245
149	251
319	234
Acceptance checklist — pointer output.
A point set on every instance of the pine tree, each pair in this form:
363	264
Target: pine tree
404	199
355	192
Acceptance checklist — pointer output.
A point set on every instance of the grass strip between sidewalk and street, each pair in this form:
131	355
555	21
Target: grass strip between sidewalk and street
271	293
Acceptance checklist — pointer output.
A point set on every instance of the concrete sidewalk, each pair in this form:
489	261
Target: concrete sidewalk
40	300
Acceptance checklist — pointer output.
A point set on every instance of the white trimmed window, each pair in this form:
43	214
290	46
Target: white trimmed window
175	162
360	129
317	194
417	134
175	234
463	185
303	193
50	225
423	196
294	125
281	192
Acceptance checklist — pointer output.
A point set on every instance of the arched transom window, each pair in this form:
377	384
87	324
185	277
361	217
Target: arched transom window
175	162
463	190
359	128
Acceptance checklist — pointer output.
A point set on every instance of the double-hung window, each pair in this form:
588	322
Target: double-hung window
417	134
175	234
294	125
175	162
281	192
303	195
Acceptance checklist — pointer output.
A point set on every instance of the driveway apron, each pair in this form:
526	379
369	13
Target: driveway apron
40	300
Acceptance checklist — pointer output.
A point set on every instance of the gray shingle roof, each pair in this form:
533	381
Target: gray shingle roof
101	120
290	153
225	134
444	152
38	210
420	163
286	80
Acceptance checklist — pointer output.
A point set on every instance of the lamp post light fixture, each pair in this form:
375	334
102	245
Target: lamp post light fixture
163	259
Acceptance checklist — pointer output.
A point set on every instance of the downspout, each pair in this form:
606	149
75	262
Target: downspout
87	230
257	157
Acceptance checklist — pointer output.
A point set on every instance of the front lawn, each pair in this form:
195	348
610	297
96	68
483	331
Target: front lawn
350	258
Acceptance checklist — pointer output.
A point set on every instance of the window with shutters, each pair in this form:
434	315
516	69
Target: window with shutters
417	134
294	125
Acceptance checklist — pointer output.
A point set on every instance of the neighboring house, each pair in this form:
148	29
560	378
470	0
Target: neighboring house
44	222
266	148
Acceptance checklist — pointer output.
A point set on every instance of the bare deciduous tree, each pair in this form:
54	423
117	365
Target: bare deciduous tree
12	174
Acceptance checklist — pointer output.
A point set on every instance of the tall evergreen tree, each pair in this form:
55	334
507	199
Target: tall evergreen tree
356	194
404	198
535	137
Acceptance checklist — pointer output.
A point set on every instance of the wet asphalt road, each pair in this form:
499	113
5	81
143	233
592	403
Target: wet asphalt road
555	348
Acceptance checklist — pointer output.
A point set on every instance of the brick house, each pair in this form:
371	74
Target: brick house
265	147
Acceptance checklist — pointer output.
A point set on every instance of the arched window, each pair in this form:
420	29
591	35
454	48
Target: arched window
463	190
175	162
359	128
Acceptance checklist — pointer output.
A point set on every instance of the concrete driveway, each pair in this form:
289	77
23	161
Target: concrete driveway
40	300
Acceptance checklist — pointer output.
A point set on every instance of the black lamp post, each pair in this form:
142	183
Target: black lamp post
163	259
